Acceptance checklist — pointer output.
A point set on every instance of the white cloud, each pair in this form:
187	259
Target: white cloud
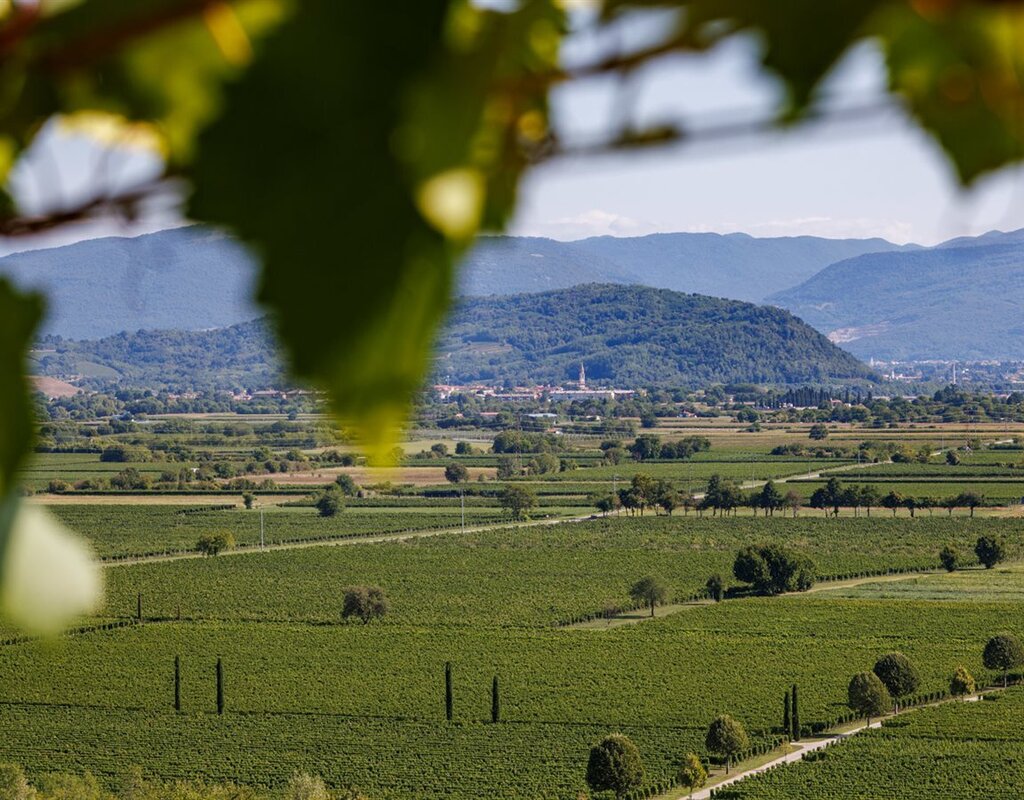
595	222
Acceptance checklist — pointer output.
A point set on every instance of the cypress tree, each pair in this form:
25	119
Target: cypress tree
220	687
795	734
787	725
177	683
448	690
495	701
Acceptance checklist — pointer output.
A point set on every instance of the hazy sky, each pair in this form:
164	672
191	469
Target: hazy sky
878	177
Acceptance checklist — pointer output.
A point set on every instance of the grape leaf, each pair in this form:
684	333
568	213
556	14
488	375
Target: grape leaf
360	164
19	315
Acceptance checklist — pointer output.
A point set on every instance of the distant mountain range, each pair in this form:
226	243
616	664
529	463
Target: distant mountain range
185	278
961	300
735	265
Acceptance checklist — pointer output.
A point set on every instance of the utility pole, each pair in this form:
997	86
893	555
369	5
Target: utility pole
462	502
262	541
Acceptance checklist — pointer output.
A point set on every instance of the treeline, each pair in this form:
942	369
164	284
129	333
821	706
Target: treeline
833	496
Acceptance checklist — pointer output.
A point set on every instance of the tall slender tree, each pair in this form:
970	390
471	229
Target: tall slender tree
448	699
220	686
795	732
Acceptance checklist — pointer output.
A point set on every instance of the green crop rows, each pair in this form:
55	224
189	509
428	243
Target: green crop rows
525	576
363	704
952	752
137	530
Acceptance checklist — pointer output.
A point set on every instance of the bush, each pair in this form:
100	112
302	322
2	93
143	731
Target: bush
365	603
962	682
949	557
330	502
214	543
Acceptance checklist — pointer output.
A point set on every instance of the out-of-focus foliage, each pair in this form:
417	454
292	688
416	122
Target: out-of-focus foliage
406	131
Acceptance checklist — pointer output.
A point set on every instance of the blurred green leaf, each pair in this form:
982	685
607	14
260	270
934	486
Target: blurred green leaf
961	71
302	165
359	166
19	315
112	56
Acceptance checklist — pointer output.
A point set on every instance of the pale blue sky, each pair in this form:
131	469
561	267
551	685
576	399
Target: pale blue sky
880	177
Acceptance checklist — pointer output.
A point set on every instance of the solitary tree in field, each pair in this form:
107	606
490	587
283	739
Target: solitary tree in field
949	557
649	590
726	737
818	432
990	550
962	682
365	603
867	696
456	473
1003	653
330	502
517	501
213	544
247	499
614	765
898	674
347	485
692	773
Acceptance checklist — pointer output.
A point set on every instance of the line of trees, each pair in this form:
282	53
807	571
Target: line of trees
833	496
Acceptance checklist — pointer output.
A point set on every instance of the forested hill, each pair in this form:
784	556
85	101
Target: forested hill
625	335
635	336
241	356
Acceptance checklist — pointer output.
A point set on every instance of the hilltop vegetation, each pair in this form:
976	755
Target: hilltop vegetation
635	336
240	356
626	335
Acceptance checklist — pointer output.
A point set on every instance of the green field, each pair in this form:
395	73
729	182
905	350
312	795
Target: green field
952	752
363	704
126	530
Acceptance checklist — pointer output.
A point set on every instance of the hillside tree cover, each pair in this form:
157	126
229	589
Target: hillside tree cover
405	134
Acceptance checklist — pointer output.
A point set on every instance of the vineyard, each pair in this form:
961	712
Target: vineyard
364	704
118	531
527	576
952	752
